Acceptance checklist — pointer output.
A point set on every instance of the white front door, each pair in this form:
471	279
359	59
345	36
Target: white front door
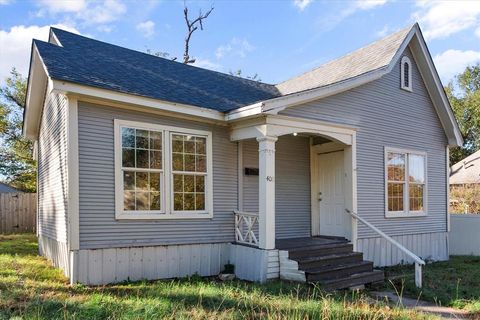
334	221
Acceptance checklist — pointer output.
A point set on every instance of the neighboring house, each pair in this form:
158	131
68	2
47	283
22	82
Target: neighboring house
465	185
143	161
5	188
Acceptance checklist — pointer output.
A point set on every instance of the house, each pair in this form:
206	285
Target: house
149	168
5	188
465	185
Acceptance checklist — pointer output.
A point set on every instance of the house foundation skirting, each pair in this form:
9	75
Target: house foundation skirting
56	252
254	264
102	266
428	246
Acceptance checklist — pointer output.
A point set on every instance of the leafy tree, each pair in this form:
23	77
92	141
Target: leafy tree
17	166
464	95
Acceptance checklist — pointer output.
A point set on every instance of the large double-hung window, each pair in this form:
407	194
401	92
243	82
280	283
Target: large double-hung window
162	172
405	183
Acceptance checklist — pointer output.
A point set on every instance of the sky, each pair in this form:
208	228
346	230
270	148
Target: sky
274	39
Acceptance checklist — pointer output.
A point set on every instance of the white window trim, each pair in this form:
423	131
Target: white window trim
406	59
166	211
406	204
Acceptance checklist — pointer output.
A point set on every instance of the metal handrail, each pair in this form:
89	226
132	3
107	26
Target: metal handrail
418	262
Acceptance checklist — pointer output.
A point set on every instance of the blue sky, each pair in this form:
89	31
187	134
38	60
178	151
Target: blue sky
276	39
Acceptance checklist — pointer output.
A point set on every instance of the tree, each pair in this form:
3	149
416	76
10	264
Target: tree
192	26
239	73
17	166
464	96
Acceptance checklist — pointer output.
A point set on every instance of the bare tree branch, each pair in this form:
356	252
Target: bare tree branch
192	26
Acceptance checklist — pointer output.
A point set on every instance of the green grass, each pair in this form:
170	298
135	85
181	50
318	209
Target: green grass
30	288
454	283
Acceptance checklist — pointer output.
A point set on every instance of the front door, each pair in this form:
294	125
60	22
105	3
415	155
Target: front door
334	221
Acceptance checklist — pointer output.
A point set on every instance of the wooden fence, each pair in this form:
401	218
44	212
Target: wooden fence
17	212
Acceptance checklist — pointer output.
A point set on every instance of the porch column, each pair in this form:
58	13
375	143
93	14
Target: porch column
266	190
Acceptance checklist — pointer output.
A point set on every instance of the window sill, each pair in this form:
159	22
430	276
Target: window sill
412	214
163	216
406	89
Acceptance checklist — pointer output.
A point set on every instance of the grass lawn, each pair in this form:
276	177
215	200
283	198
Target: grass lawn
31	289
454	283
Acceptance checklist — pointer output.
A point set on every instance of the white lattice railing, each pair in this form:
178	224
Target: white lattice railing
245	223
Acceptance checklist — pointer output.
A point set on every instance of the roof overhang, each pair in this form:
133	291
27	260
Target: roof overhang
36	89
416	42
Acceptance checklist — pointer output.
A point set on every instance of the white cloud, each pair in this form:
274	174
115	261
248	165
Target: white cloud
329	22
477	32
236	47
56	6
88	12
207	64
452	62
440	19
5	2
382	32
147	27
369	4
301	4
15	46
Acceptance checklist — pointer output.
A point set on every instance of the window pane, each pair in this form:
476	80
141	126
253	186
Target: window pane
201	164
416	168
128	137
396	166
201	144
395	196
155	201
416	197
129	200
199	201
199	184
178	183
189	201
128	180
177	161
189	183
142	200
406	71
189	162
142	158
189	145
155	140
178	201
155	160
141	139
128	158
154	181
141	180
177	143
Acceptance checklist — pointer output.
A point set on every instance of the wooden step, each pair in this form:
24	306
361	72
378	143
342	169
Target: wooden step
320	250
332	259
338	271
353	280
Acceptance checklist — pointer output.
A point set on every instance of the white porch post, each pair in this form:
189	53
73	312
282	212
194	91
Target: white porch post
266	190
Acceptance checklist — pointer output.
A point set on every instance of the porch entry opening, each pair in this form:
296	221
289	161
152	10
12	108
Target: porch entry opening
331	195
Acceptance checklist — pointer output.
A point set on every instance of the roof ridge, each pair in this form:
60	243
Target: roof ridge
165	59
348	54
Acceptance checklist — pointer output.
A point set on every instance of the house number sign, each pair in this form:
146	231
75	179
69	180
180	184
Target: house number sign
269	178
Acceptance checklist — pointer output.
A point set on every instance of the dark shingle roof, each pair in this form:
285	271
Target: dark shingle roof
94	63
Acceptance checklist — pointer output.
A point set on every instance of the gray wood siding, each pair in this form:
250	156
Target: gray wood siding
386	115
52	169
98	227
292	185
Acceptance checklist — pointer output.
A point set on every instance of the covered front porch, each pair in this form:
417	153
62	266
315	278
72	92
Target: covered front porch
296	178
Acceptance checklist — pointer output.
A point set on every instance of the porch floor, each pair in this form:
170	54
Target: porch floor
307	242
